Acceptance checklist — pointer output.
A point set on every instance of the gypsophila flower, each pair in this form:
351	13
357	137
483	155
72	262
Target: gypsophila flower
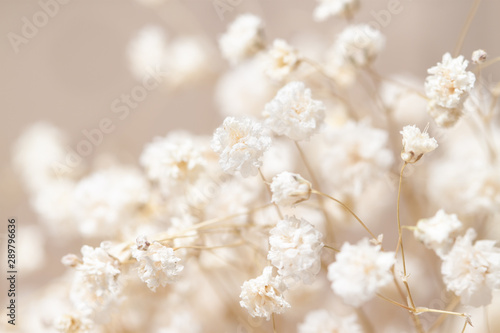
360	271
282	60
73	324
289	189
295	248
158	265
416	143
327	8
240	143
95	285
447	88
244	37
321	321
147	51
479	56
294	113
472	271
263	295
359	45
438	232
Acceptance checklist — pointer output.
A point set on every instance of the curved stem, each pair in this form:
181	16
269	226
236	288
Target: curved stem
465	29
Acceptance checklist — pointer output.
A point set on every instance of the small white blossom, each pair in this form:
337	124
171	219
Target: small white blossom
359	45
73	324
416	143
288	189
95	285
294	113
447	88
472	271
263	295
479	56
158	264
240	143
244	37
282	60
295	249
147	51
438	232
360	271
327	8
321	321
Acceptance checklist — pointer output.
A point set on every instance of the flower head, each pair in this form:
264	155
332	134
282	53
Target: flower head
360	271
294	113
263	295
289	189
479	56
282	60
327	8
295	249
243	38
240	143
472	271
321	321
416	143
359	45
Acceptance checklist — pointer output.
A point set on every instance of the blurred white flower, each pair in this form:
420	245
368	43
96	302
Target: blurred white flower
158	264
472	271
295	249
289	189
182	322
416	143
360	271
147	51
240	143
438	232
73	324
321	321
327	8
244	37
294	113
282	59
263	295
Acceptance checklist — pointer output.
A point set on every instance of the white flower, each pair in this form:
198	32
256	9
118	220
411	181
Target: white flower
175	159
73	324
416	143
282	60
294	113
321	321
109	198
158	265
240	143
444	117
147	51
447	87
472	271
438	232
289	189
95	285
327	8
295	249
182	322
263	295
243	38
359	45
360	271
479	56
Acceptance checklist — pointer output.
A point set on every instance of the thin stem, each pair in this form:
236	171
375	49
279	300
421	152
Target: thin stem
400	233
454	302
331	248
209	247
395	303
348	209
465	29
274	323
270	194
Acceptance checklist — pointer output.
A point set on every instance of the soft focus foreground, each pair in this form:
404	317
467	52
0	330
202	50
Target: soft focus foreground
332	197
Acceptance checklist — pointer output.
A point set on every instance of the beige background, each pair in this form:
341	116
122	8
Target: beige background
76	65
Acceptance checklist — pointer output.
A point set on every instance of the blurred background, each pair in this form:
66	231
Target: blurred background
71	69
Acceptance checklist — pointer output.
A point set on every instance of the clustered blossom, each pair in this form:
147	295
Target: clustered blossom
295	249
472	271
321	321
479	56
289	189
416	143
95	284
438	232
176	159
73	324
327	8
263	295
282	60
240	143
359	271
158	265
294	113
244	37
447	88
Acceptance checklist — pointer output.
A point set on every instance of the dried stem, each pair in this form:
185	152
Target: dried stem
465	29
